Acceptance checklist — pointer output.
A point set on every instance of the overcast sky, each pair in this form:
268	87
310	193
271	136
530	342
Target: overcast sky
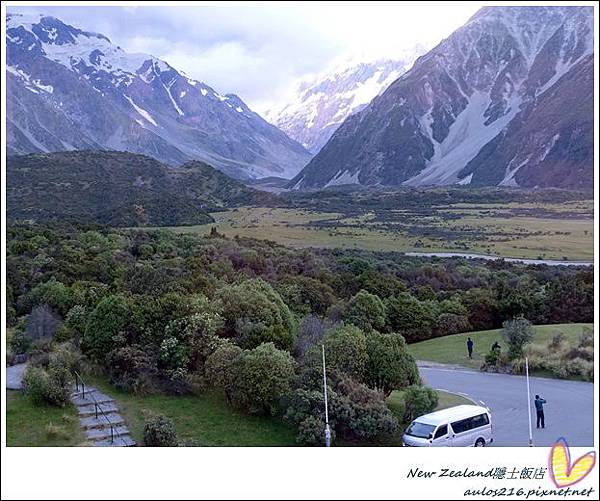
260	51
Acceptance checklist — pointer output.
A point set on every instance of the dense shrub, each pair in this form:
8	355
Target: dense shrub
159	431
19	343
188	341
260	378
389	364
306	295
53	293
412	318
355	411
104	325
219	367
346	351
253	335
132	369
47	386
366	311
364	411
419	400
252	302
311	431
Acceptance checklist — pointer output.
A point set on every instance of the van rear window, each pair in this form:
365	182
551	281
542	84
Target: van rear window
470	423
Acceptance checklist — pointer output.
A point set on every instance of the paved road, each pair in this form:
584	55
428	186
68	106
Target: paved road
569	412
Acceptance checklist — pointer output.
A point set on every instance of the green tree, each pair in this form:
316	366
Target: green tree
366	311
104	325
55	294
419	400
517	332
346	350
260	378
409	316
219	367
252	302
389	366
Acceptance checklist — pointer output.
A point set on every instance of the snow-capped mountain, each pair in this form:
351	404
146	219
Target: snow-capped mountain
507	99
71	89
320	104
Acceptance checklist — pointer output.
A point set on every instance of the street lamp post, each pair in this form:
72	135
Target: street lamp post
528	401
327	429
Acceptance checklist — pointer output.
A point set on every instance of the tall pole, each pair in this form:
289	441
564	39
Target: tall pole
528	401
327	430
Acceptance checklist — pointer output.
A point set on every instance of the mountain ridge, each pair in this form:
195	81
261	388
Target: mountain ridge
460	108
119	189
72	89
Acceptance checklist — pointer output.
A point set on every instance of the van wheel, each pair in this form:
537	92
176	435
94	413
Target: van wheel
480	442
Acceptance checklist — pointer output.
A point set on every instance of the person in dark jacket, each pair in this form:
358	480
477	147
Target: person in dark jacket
539	409
470	347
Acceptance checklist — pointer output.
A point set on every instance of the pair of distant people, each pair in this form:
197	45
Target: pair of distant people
470	344
538	402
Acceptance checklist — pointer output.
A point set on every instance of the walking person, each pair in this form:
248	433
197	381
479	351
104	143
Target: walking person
470	347
539	409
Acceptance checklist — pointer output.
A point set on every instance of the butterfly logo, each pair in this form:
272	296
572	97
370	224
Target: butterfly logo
564	472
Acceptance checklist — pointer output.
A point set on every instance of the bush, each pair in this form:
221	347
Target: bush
49	386
159	431
557	341
419	400
389	365
252	302
19	343
132	369
363	413
188	341
345	351
53	293
305	295
412	318
518	333
366	311
76	320
260	378
219	367
253	335
355	411
311	431
104	325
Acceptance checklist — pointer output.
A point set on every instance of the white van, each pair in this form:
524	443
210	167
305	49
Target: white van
460	426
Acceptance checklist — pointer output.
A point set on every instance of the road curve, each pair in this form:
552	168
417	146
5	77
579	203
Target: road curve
569	412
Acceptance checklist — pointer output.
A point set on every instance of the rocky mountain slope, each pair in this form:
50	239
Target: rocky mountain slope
70	89
322	103
506	100
119	189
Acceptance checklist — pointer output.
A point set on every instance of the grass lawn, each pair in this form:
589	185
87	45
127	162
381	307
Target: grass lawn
28	425
206	419
453	349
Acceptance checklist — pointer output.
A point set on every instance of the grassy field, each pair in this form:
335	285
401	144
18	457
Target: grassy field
204	419
28	425
508	231
453	349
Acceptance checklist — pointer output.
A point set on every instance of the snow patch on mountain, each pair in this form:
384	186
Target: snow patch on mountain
321	103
